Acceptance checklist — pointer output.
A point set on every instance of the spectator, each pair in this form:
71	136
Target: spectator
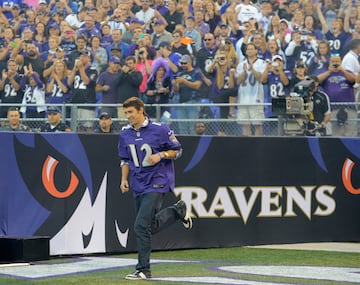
299	74
68	42
77	20
143	65
187	83
59	55
211	16
277	80
118	42
159	87
165	51
81	42
117	21
82	79
134	32
88	30
129	81
191	32
204	58
246	10
251	91
14	123
338	83
223	87
147	14
105	124
337	37
172	16
202	27
160	34
320	62
99	54
178	45
302	47
54	123
107	84
57	88
34	93
200	128
50	53
161	7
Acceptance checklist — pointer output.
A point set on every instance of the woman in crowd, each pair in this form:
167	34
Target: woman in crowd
34	94
320	62
223	88
57	89
99	54
159	86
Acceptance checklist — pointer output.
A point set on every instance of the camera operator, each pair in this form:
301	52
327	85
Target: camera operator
320	114
338	84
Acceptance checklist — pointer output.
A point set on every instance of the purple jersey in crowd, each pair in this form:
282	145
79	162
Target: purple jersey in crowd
135	147
111	79
338	88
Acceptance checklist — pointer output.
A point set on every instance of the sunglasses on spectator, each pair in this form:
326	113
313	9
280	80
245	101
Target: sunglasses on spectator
221	58
183	63
208	40
176	36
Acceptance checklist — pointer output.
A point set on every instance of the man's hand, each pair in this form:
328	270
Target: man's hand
124	186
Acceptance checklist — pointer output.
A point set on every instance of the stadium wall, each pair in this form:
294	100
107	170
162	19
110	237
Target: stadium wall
242	191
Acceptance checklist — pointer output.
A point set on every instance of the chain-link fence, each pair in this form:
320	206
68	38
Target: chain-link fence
209	117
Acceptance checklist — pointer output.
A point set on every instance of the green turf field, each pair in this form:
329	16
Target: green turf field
206	263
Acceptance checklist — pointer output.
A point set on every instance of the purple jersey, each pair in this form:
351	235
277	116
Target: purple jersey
338	88
276	87
108	78
338	44
135	146
57	96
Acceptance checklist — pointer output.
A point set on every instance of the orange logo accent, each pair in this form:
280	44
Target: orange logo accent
346	177
48	171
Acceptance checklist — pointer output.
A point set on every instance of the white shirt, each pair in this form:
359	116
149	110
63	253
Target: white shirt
350	62
251	91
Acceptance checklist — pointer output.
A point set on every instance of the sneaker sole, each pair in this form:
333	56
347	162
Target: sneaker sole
187	221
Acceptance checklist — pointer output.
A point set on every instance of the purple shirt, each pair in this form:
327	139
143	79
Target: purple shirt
108	78
136	146
338	88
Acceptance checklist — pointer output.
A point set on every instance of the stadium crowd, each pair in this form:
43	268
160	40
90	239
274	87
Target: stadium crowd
179	52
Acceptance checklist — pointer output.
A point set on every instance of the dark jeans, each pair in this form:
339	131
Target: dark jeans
150	219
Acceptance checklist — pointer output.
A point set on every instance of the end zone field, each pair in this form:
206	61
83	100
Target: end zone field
325	264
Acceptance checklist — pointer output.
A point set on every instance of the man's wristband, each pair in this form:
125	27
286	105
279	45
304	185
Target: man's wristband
159	155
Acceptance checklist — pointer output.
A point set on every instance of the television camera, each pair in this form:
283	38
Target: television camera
294	110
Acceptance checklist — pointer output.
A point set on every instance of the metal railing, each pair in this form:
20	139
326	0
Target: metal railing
209	114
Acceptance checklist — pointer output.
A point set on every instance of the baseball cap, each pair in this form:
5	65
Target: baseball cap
164	44
54	26
222	24
277	56
104	115
59	49
53	110
159	22
300	64
284	21
185	58
115	48
42	2
16	6
85	52
114	59
190	17
135	20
